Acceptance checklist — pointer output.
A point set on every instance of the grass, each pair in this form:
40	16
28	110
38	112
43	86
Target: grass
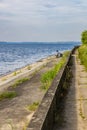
47	77
8	95
20	81
83	55
4	79
16	72
25	126
33	106
28	67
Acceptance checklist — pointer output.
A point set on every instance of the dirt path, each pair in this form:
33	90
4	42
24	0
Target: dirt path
73	115
14	114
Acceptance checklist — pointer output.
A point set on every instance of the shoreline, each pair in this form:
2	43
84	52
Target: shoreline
7	73
24	72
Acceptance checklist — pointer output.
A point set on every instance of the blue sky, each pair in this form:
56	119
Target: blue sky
42	20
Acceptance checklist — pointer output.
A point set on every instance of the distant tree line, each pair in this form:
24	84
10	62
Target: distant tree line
84	37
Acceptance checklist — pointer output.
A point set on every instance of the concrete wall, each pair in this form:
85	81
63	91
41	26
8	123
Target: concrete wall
44	117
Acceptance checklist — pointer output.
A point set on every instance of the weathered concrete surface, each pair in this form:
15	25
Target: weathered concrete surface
14	114
82	86
73	114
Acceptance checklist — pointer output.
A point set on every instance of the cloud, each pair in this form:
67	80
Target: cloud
36	9
36	17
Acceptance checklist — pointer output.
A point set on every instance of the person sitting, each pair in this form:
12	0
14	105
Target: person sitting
58	54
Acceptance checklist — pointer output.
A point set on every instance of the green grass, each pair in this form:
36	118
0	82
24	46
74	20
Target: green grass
33	106
28	67
15	73
48	77
20	81
8	95
83	55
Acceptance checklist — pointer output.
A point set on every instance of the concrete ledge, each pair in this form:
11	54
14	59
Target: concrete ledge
44	117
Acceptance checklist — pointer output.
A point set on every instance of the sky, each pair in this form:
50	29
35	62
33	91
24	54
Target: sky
42	20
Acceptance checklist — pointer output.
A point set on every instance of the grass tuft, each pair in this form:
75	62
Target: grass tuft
4	79
8	95
33	106
15	73
20	81
29	67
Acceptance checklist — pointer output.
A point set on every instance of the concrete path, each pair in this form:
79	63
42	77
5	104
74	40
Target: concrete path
73	115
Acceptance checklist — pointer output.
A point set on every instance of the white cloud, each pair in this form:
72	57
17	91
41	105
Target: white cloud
41	16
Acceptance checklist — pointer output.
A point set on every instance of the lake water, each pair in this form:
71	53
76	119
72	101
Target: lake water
16	55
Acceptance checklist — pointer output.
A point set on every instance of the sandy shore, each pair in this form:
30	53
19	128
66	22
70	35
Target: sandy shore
9	79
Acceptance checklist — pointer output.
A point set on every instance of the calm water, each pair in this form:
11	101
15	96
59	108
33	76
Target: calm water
16	55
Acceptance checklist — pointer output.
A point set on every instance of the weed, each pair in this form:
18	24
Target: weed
4	79
28	67
20	81
7	94
47	77
80	109
26	125
33	106
15	73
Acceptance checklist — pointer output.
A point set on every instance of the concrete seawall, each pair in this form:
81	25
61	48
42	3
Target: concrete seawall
45	115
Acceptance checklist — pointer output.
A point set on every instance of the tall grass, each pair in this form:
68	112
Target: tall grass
83	55
47	77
